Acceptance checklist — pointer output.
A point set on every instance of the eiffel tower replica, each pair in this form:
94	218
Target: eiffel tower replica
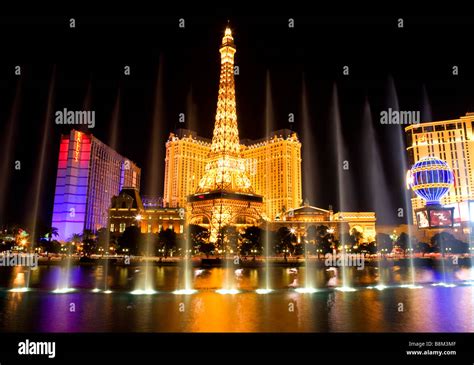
224	196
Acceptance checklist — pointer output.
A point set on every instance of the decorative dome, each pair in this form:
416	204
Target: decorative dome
430	178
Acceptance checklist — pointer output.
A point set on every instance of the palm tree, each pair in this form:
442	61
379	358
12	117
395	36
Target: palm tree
76	238
167	239
252	238
285	240
356	235
52	231
88	234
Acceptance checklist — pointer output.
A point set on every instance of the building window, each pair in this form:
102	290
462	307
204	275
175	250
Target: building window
122	227
149	228
451	126
181	228
112	227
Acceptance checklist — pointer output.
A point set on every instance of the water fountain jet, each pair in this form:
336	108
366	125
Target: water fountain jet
63	290
263	291
344	179
269	126
306	290
227	291
143	292
345	289
154	183
401	166
7	150
309	164
185	291
39	176
377	183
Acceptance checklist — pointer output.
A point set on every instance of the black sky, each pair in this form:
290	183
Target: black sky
89	63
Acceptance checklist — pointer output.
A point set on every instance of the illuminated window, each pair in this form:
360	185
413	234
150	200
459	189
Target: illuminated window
122	227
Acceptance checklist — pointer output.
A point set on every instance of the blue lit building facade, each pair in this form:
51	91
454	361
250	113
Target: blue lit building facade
89	174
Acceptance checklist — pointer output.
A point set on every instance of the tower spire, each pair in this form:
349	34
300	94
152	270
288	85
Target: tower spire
225	138
225	167
225	193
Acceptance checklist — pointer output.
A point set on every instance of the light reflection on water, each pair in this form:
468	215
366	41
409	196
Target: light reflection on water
429	309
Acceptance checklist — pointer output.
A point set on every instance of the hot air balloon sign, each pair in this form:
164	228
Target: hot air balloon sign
430	179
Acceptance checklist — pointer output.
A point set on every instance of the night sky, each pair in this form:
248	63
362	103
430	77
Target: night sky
88	62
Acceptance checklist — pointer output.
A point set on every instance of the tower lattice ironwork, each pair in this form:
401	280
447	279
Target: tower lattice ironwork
225	196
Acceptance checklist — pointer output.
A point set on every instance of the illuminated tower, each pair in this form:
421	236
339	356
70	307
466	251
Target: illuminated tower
224	195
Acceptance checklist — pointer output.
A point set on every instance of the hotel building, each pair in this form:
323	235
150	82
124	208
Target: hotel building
453	142
128	209
89	174
273	165
185	161
274	170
